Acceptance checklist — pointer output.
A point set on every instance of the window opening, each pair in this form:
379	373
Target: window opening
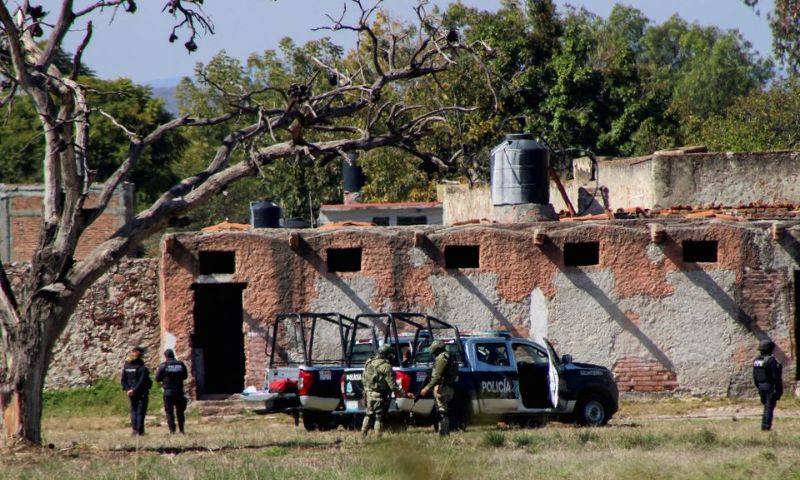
527	354
494	354
462	256
217	262
381	221
420	220
699	251
581	253
344	259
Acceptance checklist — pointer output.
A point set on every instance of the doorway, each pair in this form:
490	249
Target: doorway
797	324
218	339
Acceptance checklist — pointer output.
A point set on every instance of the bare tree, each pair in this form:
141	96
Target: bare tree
355	111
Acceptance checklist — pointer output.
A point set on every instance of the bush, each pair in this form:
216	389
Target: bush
494	439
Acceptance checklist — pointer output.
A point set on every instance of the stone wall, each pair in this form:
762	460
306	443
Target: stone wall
119	311
661	323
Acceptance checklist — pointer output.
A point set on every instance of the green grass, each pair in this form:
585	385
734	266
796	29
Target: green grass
98	446
105	397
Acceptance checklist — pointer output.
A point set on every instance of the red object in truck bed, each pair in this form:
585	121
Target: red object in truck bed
283	385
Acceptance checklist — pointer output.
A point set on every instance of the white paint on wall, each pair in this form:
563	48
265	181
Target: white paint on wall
539	314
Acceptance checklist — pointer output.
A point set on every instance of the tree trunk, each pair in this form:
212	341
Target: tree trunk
22	382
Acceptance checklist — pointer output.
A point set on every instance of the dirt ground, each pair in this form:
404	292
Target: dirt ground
668	439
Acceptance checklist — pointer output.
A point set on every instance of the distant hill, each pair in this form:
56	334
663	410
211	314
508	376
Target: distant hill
165	88
168	94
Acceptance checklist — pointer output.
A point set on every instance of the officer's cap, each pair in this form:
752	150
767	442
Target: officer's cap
386	350
169	353
436	345
766	346
138	349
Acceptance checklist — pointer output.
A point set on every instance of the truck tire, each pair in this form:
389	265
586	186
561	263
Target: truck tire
592	410
321	421
309	421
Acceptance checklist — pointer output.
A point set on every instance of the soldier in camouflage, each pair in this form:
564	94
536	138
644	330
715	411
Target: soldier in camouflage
379	383
442	381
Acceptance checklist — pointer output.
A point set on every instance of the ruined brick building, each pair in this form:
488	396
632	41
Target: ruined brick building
671	299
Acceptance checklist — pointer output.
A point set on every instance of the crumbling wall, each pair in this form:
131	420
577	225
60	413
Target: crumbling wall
120	310
662	324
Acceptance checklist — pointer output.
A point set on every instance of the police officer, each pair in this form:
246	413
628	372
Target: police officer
379	382
768	377
442	381
136	383
171	373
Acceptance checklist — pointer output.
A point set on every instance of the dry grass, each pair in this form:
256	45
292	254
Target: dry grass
637	445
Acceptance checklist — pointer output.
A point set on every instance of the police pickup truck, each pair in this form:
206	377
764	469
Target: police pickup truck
503	378
308	354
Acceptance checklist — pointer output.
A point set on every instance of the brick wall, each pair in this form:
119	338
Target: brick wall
20	220
644	376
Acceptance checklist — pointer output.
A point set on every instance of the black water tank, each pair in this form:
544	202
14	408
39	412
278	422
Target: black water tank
296	222
520	171
265	214
352	174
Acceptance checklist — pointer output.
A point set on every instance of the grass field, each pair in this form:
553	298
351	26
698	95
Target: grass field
710	439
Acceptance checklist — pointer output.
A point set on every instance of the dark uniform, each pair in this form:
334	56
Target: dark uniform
379	383
768	377
444	375
136	383
171	374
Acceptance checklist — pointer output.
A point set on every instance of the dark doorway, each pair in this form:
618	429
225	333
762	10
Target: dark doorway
218	339
797	324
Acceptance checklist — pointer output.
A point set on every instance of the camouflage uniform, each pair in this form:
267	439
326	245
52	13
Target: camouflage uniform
444	375
379	382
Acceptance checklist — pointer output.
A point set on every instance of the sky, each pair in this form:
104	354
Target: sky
135	46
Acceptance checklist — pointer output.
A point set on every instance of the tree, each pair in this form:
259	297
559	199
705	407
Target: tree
763	120
784	21
321	115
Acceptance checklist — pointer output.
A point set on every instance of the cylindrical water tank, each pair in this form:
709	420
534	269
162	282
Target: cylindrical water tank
265	214
520	171
352	174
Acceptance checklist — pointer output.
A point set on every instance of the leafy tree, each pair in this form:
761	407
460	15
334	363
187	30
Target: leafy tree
324	113
763	120
22	142
784	21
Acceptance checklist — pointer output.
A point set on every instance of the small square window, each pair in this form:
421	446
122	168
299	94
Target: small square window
420	220
344	259
381	221
462	256
217	262
699	251
581	253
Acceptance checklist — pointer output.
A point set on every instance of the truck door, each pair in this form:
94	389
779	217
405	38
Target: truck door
533	368
496	381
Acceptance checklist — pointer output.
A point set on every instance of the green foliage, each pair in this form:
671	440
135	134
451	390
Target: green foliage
22	143
494	439
103	398
763	120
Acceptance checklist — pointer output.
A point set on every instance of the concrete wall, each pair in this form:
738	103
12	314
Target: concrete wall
21	217
366	212
119	311
661	324
726	178
460	202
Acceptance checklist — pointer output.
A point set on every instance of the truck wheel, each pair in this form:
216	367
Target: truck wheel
309	421
591	410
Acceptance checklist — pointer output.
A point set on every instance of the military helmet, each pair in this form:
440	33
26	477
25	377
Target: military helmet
766	346
386	350
436	345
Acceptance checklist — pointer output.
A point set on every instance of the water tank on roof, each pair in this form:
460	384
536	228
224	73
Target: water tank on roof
519	169
265	214
352	174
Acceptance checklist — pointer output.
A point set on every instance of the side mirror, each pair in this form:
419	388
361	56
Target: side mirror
566	359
